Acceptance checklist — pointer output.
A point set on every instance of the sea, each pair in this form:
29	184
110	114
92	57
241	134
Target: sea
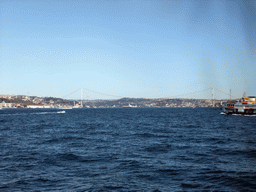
126	149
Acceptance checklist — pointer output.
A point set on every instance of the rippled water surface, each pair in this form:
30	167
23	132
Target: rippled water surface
172	149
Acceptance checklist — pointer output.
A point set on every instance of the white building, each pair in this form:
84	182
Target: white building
38	106
5	105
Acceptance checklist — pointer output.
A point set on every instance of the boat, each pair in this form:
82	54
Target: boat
61	112
244	106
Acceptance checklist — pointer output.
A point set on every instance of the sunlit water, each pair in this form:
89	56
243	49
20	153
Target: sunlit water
172	149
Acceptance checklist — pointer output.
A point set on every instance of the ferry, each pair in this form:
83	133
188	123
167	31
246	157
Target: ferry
244	106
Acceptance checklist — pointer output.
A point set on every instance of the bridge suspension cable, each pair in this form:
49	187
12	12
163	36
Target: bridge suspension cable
190	93
224	93
71	93
102	93
175	96
81	89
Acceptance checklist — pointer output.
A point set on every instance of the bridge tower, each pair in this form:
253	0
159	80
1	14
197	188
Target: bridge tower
213	100
81	97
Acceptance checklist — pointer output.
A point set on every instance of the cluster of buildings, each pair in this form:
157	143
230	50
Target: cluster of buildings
153	103
24	101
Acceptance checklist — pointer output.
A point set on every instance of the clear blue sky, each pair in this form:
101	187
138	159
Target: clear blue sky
151	49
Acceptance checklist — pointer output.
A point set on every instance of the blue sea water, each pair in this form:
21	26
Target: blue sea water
126	149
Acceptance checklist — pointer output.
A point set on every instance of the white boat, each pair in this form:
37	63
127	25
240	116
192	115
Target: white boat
245	106
61	112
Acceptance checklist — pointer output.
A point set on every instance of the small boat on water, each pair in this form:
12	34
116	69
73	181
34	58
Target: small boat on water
245	106
61	112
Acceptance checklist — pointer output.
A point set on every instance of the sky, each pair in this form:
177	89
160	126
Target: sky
140	49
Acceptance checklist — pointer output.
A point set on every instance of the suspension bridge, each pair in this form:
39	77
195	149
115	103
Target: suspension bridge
84	94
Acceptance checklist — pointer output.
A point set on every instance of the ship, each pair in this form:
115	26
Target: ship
244	106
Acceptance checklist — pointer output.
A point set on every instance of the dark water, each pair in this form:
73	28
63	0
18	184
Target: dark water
173	149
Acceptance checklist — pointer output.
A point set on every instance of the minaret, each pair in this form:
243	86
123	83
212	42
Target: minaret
230	96
81	97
